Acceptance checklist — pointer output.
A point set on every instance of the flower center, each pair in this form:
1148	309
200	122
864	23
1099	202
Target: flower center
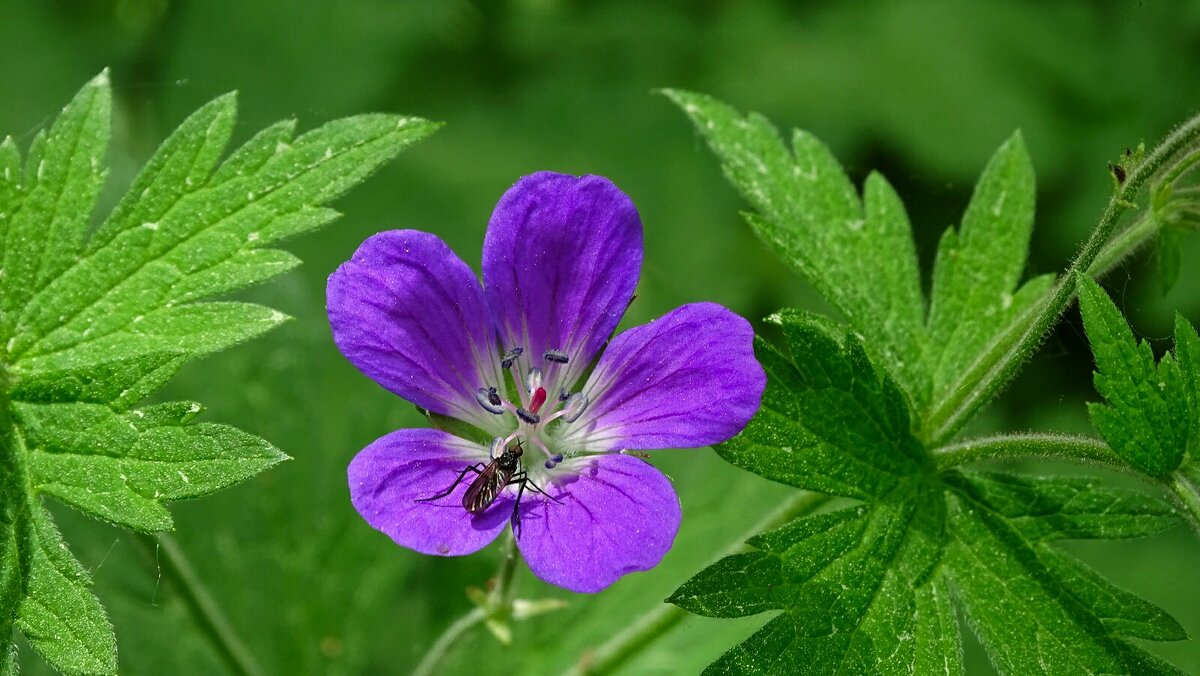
534	409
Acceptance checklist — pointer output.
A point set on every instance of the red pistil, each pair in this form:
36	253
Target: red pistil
539	398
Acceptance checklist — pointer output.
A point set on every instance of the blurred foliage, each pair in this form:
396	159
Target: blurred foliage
922	90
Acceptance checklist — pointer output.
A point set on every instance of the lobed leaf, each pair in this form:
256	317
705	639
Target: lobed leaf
872	588
861	259
1148	420
89	327
1055	508
828	421
61	181
977	268
1020	610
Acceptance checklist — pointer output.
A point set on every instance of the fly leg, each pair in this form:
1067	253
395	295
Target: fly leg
476	468
522	480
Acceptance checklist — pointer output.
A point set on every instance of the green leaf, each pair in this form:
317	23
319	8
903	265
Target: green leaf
121	468
61	618
868	588
1147	419
62	179
828	421
1056	508
91	326
977	268
1020	610
861	258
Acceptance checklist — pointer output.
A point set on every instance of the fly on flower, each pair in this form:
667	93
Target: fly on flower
519	358
490	479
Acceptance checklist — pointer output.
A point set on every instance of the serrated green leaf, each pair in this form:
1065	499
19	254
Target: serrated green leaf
938	647
10	186
1147	420
121	468
1187	355
1025	618
845	580
867	589
828	421
119	383
977	268
194	330
62	179
61	618
862	260
1056	508
145	256
1122	613
90	328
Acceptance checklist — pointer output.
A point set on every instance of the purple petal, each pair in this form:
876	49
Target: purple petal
560	261
615	515
684	380
389	476
411	315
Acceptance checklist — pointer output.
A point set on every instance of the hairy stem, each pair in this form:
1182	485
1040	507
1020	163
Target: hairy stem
203	608
1125	243
983	380
662	619
1186	492
1024	446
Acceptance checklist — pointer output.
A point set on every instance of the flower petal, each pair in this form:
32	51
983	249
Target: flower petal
687	379
389	476
412	316
615	515
561	259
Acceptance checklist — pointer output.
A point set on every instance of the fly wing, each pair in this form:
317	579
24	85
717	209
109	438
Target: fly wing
483	490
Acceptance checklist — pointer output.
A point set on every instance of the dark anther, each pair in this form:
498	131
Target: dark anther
557	356
489	400
563	395
531	418
511	356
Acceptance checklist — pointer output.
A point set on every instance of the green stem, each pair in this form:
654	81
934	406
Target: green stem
662	619
437	651
1187	496
501	596
1024	446
983	380
498	605
1124	243
204	610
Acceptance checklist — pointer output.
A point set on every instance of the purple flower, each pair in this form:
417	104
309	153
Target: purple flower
560	261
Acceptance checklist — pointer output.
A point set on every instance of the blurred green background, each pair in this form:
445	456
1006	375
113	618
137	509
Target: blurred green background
923	91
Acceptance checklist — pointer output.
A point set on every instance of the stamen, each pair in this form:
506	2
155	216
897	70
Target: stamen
538	398
509	357
563	395
556	356
490	400
528	416
498	444
576	404
533	381
554	460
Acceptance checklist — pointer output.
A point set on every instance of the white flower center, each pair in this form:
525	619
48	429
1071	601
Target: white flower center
539	403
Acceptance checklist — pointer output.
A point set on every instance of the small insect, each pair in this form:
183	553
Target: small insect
491	478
